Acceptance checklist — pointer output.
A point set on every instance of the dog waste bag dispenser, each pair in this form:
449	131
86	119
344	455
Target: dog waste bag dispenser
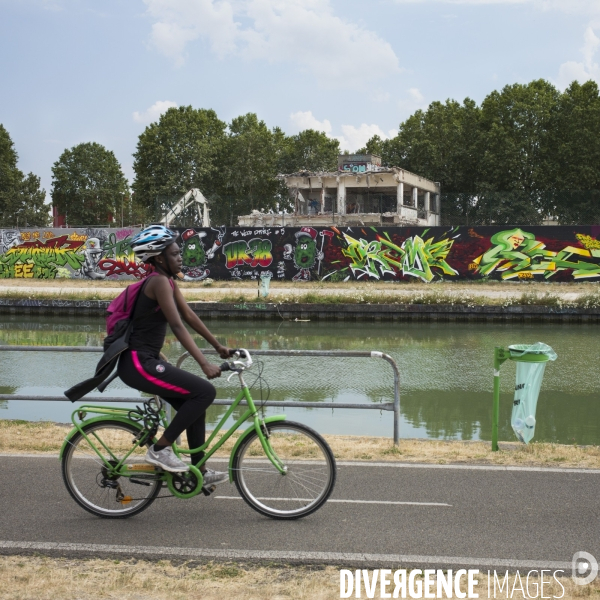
531	362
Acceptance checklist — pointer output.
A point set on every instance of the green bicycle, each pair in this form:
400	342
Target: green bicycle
282	469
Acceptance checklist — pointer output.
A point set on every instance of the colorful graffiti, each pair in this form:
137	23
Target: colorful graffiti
52	254
415	257
304	253
41	260
254	253
315	253
518	254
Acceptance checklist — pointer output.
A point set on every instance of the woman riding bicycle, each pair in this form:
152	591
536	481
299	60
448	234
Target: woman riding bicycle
140	366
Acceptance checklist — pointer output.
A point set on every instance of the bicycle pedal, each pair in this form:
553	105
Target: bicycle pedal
207	491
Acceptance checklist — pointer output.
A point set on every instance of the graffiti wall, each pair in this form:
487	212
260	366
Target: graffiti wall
308	254
63	253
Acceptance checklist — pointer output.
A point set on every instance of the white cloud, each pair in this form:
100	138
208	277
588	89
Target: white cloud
304	32
380	96
414	101
568	5
178	22
305	120
585	70
352	137
585	7
153	113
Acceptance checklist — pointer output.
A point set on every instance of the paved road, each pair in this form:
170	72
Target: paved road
473	517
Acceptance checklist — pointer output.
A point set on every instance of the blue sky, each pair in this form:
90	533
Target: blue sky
77	71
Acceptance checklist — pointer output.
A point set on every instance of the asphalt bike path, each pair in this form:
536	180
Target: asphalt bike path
428	515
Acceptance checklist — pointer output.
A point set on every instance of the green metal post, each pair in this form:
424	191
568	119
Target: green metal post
500	355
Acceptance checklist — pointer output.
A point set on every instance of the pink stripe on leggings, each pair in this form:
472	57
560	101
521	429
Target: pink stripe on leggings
154	380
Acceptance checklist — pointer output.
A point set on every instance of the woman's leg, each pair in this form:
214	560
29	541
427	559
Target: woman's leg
188	394
196	432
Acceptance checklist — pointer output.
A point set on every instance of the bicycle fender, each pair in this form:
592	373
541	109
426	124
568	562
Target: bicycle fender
94	420
244	436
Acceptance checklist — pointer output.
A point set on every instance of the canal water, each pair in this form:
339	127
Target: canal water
446	374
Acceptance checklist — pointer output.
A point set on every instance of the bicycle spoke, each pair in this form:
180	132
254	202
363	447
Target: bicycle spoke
308	478
93	483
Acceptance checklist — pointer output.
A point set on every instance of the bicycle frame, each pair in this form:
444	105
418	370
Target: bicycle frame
79	421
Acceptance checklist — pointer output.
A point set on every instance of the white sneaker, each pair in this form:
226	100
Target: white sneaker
214	477
166	459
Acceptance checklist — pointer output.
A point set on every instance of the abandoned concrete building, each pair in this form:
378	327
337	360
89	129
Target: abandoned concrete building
360	192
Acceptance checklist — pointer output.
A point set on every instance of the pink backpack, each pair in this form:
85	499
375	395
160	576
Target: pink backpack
121	308
119	325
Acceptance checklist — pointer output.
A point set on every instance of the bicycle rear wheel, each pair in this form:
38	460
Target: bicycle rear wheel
88	480
307	482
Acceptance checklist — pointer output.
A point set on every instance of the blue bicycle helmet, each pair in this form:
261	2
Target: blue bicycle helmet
152	241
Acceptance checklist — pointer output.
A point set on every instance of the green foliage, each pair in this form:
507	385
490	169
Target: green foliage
182	151
249	169
441	144
309	150
29	209
517	126
88	185
21	198
511	159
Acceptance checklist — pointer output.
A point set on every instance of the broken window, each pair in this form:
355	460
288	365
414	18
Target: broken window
421	212
370	200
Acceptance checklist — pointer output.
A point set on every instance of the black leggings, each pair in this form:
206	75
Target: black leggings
188	394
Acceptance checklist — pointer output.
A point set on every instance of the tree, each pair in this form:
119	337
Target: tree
178	153
576	177
30	209
577	138
88	185
517	124
21	198
249	169
374	146
441	144
309	150
527	152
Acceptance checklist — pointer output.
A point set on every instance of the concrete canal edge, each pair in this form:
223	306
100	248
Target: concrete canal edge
325	312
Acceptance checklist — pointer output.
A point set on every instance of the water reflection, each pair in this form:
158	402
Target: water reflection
446	373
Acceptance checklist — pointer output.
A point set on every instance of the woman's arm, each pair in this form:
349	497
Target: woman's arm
159	289
192	319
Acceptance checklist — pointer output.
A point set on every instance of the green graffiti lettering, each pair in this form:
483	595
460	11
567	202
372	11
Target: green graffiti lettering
119	250
517	254
255	252
41	260
236	254
416	258
421	257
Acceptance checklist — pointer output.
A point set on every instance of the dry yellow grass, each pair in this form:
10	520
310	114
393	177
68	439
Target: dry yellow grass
42	578
39	437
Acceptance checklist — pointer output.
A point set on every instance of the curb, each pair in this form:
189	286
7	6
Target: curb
325	312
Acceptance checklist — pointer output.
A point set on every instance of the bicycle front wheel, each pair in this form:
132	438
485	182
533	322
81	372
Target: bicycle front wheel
309	476
88	479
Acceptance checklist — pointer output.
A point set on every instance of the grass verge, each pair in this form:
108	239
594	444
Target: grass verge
573	295
43	578
40	437
423	298
587	301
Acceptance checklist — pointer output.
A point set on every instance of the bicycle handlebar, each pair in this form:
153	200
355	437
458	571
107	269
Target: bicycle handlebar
238	365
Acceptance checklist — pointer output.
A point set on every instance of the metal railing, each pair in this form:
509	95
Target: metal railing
388	406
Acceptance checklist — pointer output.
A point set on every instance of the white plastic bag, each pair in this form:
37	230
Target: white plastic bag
527	388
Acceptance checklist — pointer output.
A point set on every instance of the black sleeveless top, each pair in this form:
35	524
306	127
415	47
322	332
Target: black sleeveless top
148	335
